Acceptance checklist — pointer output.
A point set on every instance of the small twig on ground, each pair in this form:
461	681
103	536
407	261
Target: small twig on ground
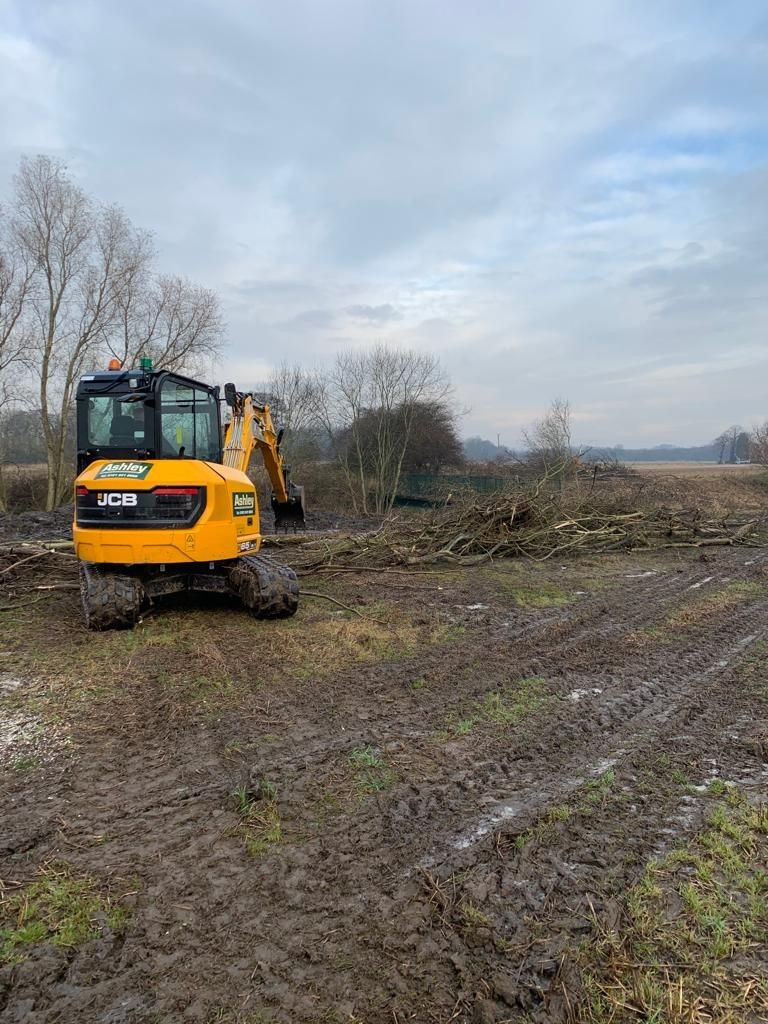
29	558
23	604
346	607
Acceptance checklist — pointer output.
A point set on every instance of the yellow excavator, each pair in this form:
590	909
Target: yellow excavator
164	504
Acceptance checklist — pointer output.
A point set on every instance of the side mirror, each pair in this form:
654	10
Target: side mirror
230	395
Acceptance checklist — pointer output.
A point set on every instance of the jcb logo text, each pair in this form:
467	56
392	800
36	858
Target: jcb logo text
116	498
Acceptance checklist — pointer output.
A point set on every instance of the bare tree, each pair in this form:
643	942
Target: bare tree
292	391
720	443
167	319
758	445
730	444
549	442
370	403
340	405
75	251
93	292
15	282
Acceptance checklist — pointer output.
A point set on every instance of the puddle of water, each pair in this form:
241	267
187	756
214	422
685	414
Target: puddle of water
605	764
695	586
575	695
9	683
474	607
24	734
502	812
639	575
737	648
18	730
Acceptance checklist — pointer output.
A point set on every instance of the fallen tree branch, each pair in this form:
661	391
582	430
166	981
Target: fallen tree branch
348	608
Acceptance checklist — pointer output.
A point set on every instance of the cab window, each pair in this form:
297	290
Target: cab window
188	422
115	424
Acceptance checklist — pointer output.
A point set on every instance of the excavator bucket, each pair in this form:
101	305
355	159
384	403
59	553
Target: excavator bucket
289	515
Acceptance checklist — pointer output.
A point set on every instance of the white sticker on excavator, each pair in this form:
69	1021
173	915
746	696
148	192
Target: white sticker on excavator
133	470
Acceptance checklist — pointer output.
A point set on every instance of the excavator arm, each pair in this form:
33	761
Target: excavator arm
251	426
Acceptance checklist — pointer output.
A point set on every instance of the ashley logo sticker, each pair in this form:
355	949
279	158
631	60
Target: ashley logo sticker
243	503
132	470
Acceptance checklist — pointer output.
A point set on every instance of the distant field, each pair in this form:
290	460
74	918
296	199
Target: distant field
694	469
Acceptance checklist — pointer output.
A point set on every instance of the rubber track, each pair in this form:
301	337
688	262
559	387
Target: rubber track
110	600
269	590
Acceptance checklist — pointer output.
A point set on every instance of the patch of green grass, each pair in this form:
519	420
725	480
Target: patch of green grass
260	825
464	726
473	917
545	825
418	684
58	907
505	707
597	790
25	763
698	611
527	592
561	812
692	925
508	706
371	773
666	766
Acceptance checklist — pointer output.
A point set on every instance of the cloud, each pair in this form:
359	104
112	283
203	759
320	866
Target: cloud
557	199
382	314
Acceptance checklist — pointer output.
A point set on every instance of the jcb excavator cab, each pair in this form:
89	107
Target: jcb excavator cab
141	414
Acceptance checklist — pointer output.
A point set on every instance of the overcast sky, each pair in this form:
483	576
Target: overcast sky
558	198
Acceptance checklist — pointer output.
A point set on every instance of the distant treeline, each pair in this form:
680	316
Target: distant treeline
478	449
664	453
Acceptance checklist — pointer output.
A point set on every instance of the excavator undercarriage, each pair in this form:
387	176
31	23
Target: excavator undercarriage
115	596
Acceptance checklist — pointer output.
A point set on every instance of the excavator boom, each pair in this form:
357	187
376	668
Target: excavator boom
251	426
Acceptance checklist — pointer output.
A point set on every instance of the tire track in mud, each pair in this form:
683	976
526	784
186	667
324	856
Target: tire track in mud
389	837
674	695
623	707
337	919
577	869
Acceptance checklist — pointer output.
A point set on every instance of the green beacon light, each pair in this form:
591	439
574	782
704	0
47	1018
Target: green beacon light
145	363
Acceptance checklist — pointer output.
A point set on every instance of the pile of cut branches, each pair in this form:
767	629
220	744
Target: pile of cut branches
536	525
30	572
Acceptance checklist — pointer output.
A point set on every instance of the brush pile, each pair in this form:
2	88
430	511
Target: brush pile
534	525
537	523
33	571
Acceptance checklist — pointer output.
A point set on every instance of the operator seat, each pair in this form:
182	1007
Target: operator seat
122	431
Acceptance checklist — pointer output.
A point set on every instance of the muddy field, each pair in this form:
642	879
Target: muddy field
697	470
523	792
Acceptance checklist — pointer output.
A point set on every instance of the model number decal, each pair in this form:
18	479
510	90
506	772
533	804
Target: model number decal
243	503
114	498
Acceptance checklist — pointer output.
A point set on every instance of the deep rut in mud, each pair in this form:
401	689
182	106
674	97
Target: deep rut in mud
439	852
